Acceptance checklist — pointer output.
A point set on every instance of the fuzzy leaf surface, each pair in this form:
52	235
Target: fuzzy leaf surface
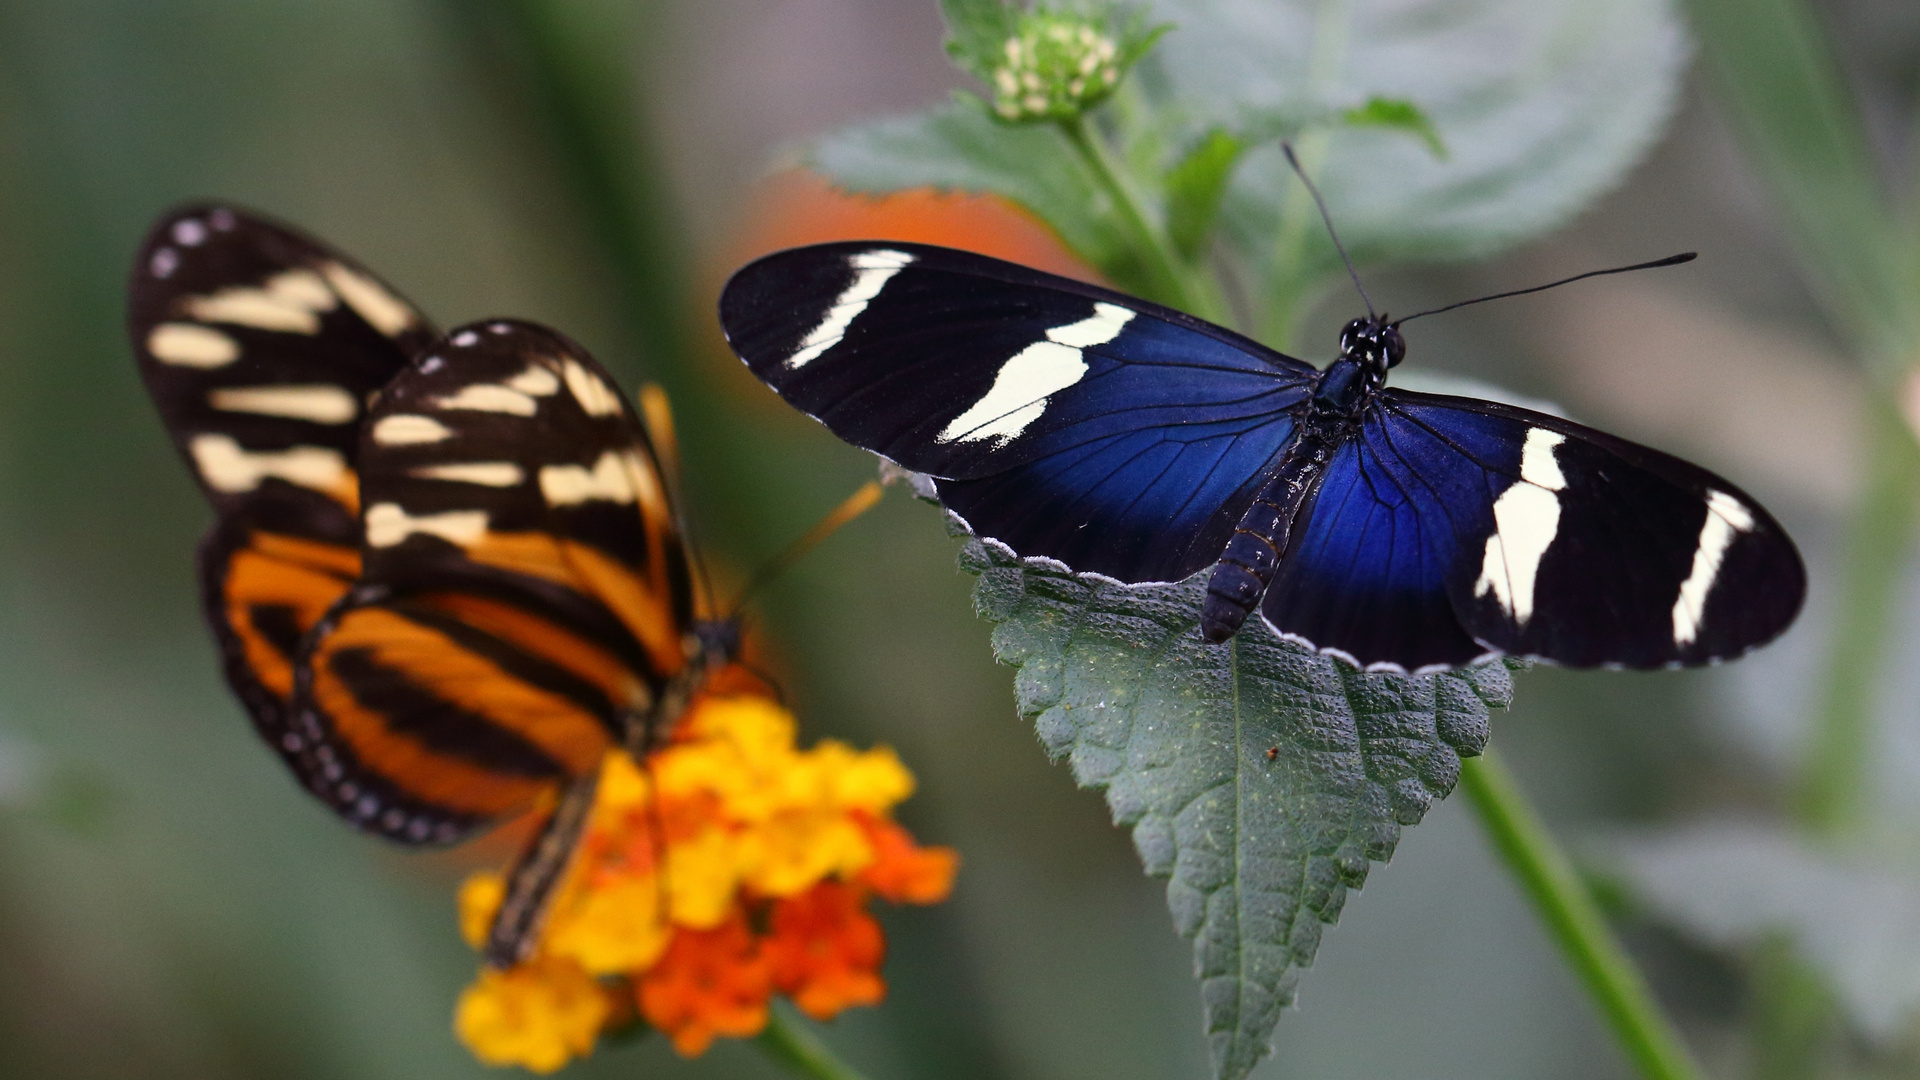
1542	107
1260	779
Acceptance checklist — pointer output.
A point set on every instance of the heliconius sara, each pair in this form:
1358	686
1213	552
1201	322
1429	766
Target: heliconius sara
1400	531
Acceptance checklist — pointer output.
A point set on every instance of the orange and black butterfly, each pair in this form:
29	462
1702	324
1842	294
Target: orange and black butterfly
447	572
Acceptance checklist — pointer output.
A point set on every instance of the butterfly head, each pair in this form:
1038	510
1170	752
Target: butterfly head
717	642
1373	341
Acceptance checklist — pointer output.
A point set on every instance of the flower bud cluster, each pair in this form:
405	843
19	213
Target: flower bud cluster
1054	68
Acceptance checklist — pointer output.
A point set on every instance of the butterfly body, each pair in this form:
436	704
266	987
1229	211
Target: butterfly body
1397	530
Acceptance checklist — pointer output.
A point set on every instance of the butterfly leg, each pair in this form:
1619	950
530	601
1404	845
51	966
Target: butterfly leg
536	877
1252	554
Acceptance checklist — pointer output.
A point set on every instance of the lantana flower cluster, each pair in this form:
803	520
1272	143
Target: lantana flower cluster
729	866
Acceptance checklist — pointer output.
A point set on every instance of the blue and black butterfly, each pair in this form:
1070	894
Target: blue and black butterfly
1399	531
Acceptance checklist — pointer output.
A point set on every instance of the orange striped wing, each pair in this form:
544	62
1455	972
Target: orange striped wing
260	347
526	598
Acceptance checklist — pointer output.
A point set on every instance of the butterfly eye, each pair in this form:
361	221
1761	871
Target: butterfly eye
1396	346
1353	336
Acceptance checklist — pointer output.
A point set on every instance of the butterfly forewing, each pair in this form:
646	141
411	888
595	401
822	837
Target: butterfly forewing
261	347
526	596
1063	419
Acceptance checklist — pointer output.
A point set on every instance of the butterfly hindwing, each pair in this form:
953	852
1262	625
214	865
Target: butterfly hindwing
1451	528
1063	419
1365	573
526	594
261	346
1598	551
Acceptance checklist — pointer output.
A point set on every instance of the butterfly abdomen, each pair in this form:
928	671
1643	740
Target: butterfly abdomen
1252	555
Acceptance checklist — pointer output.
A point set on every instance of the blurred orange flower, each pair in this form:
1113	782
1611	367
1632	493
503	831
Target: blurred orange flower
730	866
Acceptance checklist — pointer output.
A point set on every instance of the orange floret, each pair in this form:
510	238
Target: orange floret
709	983
902	871
824	950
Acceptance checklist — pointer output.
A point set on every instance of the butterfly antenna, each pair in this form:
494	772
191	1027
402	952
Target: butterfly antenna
1287	148
1671	260
852	507
656	416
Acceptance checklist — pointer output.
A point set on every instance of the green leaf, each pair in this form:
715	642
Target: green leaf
1545	105
1734	885
1194	189
959	147
976	32
1800	124
1260	778
1397	114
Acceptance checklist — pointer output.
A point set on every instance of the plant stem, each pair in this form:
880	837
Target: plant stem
788	1041
1793	1014
1835	779
1173	283
1574	920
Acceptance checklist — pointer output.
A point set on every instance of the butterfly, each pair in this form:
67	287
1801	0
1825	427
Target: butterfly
1398	531
447	573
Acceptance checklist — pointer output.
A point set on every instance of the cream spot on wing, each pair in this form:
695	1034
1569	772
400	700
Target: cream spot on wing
872	271
226	466
1726	520
501	328
164	262
596	398
191	345
615	477
321	403
500	474
387	524
1526	518
1102	326
489	397
1023	384
188	232
466	339
407	429
384	311
291	300
536	380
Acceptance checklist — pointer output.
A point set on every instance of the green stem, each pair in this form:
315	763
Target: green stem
790	1043
1171	281
565	72
1834	782
1574	920
1793	1015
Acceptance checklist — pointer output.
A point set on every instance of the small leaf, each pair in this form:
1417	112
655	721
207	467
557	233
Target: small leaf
961	148
1194	188
976	32
1397	114
1545	105
1734	884
1260	778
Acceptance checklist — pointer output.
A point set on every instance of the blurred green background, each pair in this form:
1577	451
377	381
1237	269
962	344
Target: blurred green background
171	905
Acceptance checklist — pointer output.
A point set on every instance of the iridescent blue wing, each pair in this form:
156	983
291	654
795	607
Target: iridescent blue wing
1063	419
1450	528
